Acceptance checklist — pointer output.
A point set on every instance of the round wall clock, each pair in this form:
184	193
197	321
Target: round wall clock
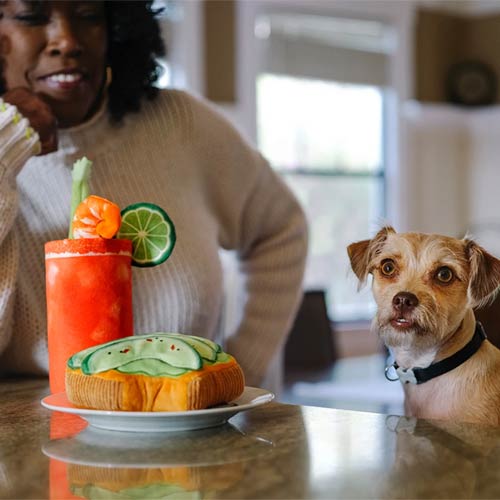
471	83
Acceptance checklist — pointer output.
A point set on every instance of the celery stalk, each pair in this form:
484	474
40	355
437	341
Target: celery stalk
80	187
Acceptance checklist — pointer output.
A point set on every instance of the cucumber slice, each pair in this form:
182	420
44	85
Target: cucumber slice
76	360
175	352
151	367
223	357
216	347
204	350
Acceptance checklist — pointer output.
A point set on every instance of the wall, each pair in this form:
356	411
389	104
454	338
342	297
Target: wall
438	152
439	44
443	39
484	177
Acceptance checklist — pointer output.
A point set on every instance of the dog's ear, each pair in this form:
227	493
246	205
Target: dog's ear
362	252
484	274
358	255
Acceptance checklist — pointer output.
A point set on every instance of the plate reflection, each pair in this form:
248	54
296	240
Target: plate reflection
97	464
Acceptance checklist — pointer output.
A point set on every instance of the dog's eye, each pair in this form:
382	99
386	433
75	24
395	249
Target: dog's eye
444	274
388	267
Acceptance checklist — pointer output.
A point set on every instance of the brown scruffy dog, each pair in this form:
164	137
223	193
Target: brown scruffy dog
425	287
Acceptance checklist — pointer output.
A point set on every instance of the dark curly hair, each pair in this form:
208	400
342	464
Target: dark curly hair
134	44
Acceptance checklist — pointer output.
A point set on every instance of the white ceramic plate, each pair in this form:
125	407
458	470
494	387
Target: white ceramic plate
138	421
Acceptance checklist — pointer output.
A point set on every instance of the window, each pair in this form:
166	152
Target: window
171	18
325	134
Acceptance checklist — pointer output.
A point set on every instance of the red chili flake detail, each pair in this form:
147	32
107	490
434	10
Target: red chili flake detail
125	351
149	340
172	347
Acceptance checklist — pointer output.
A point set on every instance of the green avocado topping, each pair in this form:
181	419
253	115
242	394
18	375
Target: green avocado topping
157	355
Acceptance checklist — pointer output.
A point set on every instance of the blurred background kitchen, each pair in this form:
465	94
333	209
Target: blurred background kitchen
373	112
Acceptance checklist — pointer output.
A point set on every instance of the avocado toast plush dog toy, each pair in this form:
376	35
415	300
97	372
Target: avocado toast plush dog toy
154	372
426	287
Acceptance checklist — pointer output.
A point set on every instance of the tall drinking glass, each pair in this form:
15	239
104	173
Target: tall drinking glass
89	298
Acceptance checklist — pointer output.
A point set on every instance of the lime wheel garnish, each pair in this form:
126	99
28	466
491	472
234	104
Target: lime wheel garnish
152	233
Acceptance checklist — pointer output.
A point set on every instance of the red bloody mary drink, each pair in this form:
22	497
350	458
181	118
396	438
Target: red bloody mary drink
89	297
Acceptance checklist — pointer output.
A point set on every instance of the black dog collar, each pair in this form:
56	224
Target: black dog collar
421	375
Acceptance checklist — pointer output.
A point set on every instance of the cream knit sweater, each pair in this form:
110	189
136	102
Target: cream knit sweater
179	153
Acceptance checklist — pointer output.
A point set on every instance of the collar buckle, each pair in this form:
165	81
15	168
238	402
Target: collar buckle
406	376
394	372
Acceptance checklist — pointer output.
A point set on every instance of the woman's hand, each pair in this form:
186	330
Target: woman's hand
38	113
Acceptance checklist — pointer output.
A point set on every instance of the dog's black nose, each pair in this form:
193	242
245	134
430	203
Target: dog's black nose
405	301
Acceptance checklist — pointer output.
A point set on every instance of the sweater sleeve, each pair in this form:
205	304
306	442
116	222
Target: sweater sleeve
272	251
258	217
18	142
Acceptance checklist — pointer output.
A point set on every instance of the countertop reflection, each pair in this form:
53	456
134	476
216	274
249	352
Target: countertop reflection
274	451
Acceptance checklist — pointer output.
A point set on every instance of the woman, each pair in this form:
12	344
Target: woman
57	59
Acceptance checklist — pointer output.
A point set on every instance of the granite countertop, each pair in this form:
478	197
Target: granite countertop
274	451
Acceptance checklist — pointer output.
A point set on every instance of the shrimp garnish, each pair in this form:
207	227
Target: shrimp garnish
96	217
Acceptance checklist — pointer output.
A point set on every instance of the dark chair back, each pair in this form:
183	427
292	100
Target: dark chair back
311	342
